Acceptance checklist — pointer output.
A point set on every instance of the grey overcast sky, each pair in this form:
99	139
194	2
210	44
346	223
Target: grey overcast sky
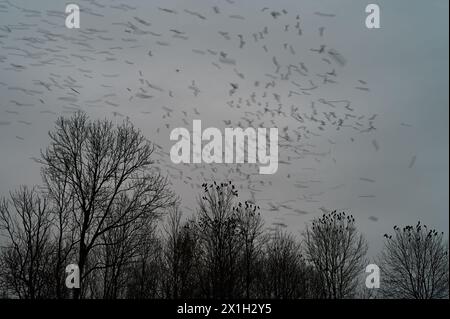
162	64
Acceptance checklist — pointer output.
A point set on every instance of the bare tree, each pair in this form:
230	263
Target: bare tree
61	199
285	272
219	245
103	165
115	252
173	253
179	256
250	232
146	271
414	263
337	251
25	224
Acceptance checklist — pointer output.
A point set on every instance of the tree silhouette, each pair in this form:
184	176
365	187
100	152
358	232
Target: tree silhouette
414	263
179	256
250	233
25	222
285	272
108	170
217	226
62	201
145	272
337	252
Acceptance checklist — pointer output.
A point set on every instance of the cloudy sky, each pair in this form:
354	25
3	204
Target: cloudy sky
382	155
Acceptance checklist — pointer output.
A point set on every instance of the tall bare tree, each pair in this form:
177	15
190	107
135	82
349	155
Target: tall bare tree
25	225
414	263
219	245
285	274
103	164
337	251
146	272
179	256
250	232
61	199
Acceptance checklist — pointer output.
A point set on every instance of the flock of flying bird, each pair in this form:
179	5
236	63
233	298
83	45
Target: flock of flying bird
51	70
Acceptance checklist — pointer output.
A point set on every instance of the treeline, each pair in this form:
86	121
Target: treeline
105	207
